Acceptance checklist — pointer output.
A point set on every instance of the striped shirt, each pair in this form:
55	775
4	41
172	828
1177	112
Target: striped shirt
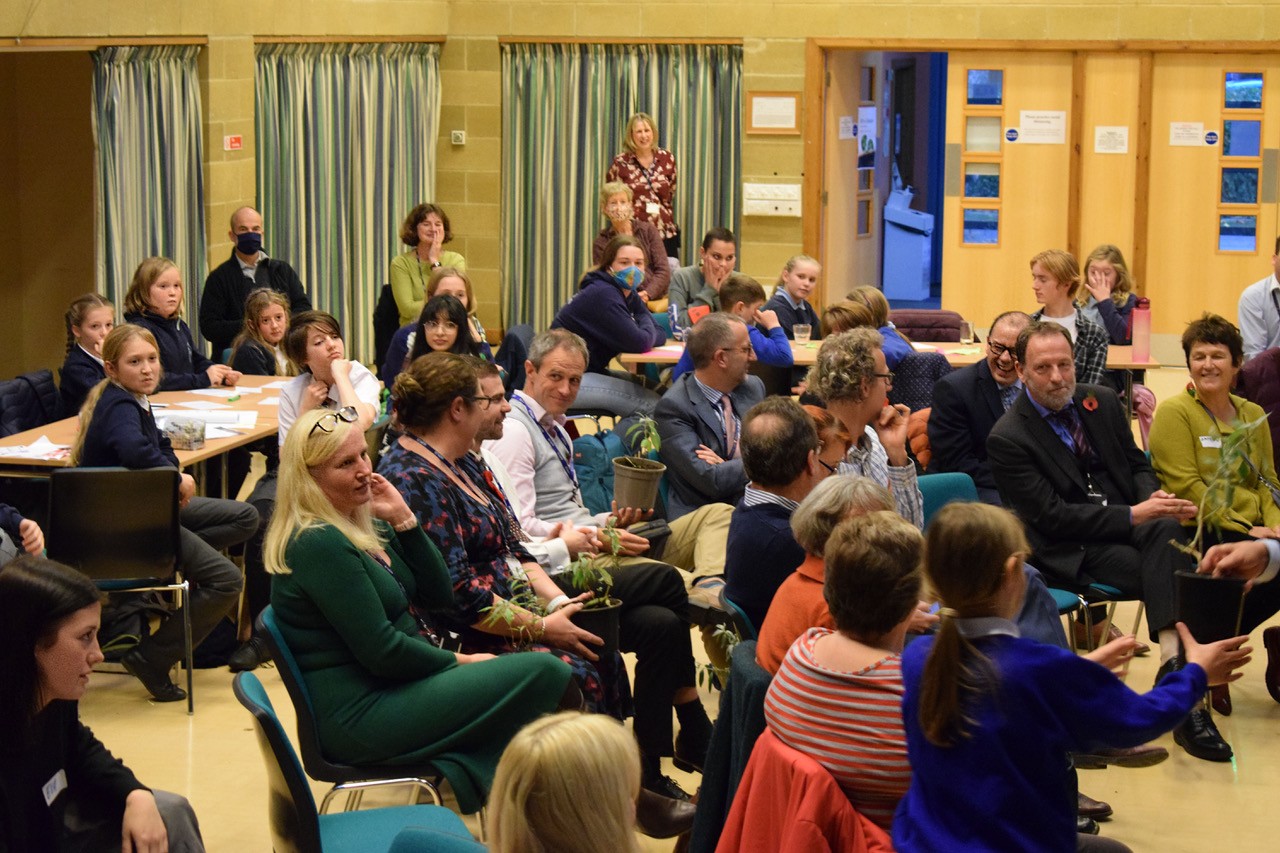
867	458
849	722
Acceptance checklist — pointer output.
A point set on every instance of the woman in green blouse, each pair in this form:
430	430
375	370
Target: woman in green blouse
425	231
354	577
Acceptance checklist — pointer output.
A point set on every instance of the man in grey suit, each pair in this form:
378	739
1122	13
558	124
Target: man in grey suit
700	418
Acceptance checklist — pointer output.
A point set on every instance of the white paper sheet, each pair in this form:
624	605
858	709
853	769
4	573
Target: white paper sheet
203	405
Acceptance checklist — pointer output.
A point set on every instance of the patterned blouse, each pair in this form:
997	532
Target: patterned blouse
656	184
476	541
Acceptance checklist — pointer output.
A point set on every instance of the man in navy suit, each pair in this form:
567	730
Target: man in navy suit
968	402
1064	460
700	418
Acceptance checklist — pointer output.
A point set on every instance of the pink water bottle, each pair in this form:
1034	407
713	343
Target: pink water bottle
1142	330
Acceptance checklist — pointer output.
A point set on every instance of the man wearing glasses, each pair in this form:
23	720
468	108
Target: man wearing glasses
968	402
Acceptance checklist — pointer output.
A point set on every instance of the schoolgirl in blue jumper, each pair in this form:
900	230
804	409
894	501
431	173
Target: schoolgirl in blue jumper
154	300
89	319
991	717
791	294
117	428
743	295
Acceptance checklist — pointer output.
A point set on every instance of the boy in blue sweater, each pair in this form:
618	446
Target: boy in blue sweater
743	295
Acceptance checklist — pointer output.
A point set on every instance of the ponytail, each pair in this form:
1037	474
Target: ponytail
86	417
80	308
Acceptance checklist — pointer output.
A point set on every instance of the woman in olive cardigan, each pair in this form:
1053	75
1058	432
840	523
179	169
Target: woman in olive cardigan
354	577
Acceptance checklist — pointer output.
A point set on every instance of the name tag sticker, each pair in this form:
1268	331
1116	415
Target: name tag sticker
1210	441
55	786
652	208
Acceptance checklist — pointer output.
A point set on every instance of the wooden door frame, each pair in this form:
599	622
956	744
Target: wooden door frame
814	96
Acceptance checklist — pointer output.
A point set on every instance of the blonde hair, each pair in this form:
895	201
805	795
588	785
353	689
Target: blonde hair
300	502
836	498
567	783
139	292
79	311
635	119
112	348
1124	282
875	302
846	365
1062	266
257	302
845	315
452	272
967	547
791	265
613	188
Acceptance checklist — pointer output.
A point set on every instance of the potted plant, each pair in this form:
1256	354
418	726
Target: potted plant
601	613
636	478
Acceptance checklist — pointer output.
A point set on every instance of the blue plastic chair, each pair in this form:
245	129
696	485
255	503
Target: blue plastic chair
297	826
741	620
938	490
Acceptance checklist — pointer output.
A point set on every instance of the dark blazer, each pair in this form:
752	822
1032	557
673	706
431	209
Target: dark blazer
966	405
185	366
226	289
789	316
1040	480
253	359
686	419
123	433
79	373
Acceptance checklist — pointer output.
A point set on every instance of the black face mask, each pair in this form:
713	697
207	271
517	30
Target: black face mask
248	242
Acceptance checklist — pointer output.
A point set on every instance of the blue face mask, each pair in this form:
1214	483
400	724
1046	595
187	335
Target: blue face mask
629	277
248	242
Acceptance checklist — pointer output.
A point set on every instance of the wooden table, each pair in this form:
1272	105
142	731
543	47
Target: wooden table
65	430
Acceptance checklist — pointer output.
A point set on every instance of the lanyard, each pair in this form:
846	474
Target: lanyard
424	627
467	484
559	444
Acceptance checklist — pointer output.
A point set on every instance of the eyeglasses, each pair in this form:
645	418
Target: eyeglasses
744	350
436	326
329	420
1000	350
831	469
887	377
486	402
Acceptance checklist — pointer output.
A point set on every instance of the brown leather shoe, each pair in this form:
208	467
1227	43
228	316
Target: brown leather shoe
1089	807
1271	639
1113	633
663	817
1146	755
1220	699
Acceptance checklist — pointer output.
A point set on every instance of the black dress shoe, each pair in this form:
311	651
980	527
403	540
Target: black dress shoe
1271	640
157	681
1146	755
665	787
1220	699
691	751
663	817
1091	808
1086	825
1199	736
1173	664
252	654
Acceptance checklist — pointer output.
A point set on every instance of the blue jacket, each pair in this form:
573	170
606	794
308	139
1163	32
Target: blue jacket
123	433
184	365
609	320
772	348
895	347
79	373
10	518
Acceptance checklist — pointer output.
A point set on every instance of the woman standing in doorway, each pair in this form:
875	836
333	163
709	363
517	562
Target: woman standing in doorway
650	173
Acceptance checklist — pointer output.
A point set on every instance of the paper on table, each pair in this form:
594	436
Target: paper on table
924	347
248	389
279	383
41	448
269	401
203	404
223	393
215	431
670	348
232	418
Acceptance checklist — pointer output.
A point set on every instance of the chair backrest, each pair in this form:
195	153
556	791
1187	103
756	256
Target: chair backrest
927	324
914	378
741	620
386	319
373	439
291	808
114	523
938	490
287	665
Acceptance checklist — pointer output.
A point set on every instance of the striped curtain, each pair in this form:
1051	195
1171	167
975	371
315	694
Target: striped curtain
150	183
564	110
346	146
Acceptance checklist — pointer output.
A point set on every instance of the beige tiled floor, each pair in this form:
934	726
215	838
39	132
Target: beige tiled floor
1182	805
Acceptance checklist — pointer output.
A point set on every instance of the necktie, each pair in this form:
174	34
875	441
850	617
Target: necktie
1008	394
1079	439
730	428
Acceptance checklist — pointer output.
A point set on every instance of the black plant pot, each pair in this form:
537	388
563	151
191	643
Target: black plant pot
604	621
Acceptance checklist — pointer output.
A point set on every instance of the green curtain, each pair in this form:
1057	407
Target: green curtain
346	145
564	109
150	183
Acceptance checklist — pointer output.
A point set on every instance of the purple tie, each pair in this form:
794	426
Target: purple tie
730	428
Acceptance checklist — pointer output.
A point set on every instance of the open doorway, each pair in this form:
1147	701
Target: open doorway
883	148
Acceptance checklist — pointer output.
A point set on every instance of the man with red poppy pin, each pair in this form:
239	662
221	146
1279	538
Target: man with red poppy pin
1064	460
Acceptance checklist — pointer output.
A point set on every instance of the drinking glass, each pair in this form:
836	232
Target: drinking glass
802	332
966	332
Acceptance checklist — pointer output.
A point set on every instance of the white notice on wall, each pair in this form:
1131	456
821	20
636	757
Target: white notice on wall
1042	127
774	113
1189	134
848	128
1113	139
